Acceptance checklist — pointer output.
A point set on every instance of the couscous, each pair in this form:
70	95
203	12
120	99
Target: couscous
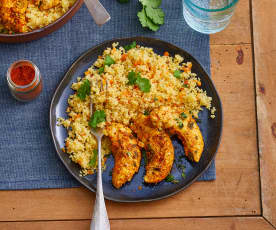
21	16
136	81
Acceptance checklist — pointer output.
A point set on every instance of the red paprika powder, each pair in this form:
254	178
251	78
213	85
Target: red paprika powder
24	80
22	75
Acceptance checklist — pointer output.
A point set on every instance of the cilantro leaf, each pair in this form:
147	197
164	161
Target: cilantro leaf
176	73
130	46
146	112
179	123
170	178
93	160
144	84
183	115
84	90
144	156
101	70
152	3
136	79
97	117
108	61
157	15
132	77
145	21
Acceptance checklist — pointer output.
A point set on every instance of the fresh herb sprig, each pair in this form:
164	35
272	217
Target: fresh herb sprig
130	46
151	16
136	79
84	90
170	178
107	61
93	160
97	117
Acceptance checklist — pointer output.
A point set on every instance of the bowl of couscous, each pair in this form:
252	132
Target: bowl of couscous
27	20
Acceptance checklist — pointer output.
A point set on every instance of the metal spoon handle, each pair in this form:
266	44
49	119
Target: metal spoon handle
98	12
100	219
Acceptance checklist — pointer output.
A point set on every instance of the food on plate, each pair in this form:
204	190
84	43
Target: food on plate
159	149
127	154
139	83
21	16
181	123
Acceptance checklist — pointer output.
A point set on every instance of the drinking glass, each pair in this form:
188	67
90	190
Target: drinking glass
208	16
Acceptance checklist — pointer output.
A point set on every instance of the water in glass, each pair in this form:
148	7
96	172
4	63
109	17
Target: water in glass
208	16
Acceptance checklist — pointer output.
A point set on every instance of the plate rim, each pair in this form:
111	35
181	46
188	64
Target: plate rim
67	73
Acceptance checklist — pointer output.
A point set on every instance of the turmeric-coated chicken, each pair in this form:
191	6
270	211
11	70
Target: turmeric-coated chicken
127	155
183	125
159	149
12	14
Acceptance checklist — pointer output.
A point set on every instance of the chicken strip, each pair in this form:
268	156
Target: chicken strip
127	155
159	149
183	125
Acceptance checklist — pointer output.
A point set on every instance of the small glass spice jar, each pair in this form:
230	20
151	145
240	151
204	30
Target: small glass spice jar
24	80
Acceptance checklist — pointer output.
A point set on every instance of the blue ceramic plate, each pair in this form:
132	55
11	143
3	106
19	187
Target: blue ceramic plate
136	190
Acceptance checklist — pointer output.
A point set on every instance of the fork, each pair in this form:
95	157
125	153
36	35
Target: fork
97	11
100	218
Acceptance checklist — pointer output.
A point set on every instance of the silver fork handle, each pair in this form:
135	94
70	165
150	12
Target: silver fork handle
100	218
98	12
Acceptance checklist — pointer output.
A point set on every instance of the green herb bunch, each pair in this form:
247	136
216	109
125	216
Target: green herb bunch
151	16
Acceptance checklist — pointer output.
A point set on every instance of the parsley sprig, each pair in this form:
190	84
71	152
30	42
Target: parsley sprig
136	79
107	61
84	90
151	15
170	178
130	46
97	117
93	160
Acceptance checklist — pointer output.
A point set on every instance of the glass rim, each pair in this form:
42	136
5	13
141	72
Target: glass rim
213	10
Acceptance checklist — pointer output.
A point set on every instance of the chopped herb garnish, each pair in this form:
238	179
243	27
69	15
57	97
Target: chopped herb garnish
183	115
132	77
198	120
146	112
183	175
145	156
144	84
186	86
179	123
170	178
96	118
108	61
176	73
136	79
92	162
130	46
101	70
155	99
84	90
129	154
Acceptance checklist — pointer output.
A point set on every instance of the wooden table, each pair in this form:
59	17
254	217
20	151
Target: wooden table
243	196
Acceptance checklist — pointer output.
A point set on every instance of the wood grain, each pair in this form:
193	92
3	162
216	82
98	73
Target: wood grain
235	192
238	31
265	68
255	223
